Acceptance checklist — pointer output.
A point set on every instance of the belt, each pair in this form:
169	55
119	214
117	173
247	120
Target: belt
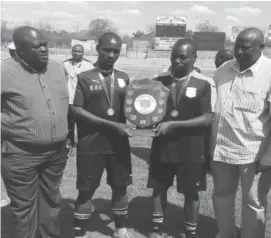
39	148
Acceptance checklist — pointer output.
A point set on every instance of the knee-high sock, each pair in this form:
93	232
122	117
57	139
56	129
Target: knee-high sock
159	207
119	206
191	210
82	212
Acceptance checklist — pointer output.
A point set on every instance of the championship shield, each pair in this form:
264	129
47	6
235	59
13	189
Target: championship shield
145	105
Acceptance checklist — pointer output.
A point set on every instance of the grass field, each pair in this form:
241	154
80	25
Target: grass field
101	225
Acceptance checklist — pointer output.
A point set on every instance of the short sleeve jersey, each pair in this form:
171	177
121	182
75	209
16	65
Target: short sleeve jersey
188	145
91	95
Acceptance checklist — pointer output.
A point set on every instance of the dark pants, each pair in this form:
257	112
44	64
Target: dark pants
32	181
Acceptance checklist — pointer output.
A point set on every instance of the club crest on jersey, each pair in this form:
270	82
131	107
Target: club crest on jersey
191	92
121	83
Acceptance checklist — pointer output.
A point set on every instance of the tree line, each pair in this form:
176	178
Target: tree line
96	27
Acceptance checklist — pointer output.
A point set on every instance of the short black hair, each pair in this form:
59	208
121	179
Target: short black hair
225	53
78	45
105	36
186	41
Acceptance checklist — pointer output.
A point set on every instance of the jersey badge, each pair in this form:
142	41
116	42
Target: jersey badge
121	83
191	92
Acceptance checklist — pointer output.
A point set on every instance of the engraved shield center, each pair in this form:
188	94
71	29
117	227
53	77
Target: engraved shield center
145	104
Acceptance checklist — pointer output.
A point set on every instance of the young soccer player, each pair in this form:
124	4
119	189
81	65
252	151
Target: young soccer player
179	146
102	136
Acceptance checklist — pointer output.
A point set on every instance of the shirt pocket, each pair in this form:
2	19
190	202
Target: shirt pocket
248	101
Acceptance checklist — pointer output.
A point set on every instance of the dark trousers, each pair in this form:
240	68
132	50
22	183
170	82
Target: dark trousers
32	181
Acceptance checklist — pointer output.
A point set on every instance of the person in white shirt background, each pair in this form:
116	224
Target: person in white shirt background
74	66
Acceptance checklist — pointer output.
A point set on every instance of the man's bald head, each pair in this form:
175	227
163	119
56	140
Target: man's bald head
25	34
252	34
223	56
31	46
110	39
248	47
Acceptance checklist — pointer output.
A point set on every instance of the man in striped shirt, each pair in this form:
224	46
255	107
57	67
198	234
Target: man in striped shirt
34	129
241	135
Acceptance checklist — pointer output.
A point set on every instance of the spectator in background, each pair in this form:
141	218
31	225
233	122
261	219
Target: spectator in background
223	56
11	49
72	67
241	134
34	131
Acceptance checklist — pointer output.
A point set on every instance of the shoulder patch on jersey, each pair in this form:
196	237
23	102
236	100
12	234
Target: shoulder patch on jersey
121	82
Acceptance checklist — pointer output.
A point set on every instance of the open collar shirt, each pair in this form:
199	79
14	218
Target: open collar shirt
242	122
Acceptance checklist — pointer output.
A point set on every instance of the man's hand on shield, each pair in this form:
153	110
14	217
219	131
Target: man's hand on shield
163	129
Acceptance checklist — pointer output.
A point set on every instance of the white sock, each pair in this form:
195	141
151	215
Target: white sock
121	231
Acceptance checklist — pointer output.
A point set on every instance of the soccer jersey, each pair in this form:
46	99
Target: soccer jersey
96	99
195	100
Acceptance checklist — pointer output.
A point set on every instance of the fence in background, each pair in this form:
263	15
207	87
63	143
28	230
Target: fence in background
205	59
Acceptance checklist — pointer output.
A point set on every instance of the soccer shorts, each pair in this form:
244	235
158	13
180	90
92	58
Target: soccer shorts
90	168
190	177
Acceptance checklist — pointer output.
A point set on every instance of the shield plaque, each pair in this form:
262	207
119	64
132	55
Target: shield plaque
145	103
